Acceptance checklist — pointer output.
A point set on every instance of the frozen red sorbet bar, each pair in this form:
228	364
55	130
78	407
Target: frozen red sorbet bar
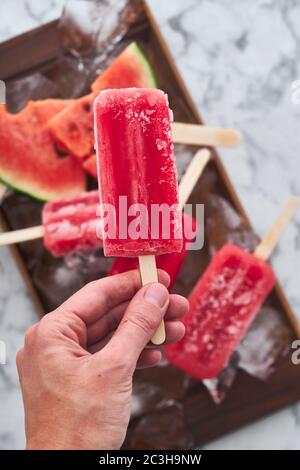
170	262
137	169
70	224
222	306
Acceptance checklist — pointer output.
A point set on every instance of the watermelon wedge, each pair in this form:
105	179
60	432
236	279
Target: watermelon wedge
90	165
30	160
73	126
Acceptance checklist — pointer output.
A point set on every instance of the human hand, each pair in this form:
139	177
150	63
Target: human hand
77	363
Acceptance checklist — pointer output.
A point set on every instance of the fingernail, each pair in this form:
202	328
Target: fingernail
157	294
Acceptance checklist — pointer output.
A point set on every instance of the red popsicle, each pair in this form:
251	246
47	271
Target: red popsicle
70	224
137	168
222	306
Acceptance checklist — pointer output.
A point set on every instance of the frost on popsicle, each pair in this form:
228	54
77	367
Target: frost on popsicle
71	224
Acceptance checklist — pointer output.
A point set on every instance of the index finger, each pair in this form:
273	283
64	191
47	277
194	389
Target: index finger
95	299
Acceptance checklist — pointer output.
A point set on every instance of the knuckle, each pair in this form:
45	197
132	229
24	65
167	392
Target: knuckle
145	318
73	327
30	336
42	330
37	334
92	285
19	358
144	322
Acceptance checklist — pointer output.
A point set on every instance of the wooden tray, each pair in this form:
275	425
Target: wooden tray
249	398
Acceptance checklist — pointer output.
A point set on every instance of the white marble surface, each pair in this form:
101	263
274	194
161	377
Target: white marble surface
238	59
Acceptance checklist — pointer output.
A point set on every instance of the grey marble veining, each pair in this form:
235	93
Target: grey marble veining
239	59
18	16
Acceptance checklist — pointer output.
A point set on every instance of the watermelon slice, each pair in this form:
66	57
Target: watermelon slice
30	160
73	126
90	165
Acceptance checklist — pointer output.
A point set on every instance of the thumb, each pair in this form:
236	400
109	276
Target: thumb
141	320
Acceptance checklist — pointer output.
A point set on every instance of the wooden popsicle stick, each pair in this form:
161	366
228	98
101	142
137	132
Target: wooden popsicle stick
18	236
191	176
149	274
270	240
195	134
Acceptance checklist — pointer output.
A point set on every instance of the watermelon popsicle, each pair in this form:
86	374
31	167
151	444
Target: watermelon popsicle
224	302
172	262
69	225
222	306
137	176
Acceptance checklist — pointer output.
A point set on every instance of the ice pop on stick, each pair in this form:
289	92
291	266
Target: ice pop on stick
72	224
69	225
224	302
136	164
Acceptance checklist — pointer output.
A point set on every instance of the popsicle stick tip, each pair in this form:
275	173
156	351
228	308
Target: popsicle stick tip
269	242
196	134
160	335
230	137
295	201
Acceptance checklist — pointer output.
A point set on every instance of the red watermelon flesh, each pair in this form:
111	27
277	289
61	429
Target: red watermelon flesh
42	110
29	158
90	165
73	127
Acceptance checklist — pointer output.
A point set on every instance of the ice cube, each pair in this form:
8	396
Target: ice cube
87	26
22	212
267	339
162	430
58	278
225	225
172	382
219	386
145	397
32	87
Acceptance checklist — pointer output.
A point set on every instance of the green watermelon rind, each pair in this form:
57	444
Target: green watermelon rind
145	65
39	196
